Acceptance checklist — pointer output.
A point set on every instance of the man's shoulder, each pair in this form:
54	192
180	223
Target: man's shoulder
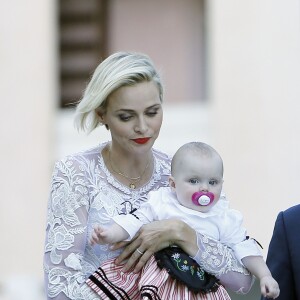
292	213
289	218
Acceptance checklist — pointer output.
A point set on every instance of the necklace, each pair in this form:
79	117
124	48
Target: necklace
133	180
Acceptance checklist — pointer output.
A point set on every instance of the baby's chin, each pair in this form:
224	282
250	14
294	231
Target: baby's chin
203	209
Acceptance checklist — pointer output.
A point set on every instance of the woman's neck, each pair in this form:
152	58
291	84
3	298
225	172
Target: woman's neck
130	169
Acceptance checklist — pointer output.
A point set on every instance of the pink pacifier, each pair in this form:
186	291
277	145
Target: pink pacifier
203	198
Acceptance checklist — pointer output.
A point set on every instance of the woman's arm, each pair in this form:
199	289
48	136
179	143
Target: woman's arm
66	232
215	258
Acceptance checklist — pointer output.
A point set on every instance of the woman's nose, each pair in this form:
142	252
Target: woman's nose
141	126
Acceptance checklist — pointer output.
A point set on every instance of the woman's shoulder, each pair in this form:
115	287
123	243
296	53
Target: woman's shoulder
162	165
160	155
89	153
80	159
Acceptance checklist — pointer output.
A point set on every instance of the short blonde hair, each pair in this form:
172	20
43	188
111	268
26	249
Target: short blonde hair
119	69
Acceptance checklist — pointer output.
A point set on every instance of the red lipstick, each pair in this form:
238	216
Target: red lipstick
141	140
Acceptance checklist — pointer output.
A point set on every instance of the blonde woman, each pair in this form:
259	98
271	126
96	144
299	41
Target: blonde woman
125	95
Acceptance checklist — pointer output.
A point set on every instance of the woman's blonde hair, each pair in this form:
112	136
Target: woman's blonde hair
119	69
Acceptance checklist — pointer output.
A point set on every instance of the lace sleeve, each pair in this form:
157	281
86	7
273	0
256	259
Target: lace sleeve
219	260
66	232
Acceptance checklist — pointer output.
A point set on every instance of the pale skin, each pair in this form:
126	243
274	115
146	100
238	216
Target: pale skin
201	173
268	285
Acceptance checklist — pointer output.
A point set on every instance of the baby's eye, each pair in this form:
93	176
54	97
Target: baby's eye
194	181
125	117
213	182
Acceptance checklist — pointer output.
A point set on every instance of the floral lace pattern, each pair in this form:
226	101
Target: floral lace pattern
219	260
84	193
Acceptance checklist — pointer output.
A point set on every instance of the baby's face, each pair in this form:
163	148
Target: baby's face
198	173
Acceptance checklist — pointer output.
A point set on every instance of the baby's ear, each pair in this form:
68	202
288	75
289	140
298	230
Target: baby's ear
172	183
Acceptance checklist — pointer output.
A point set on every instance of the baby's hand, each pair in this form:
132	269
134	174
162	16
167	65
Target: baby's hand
269	287
98	236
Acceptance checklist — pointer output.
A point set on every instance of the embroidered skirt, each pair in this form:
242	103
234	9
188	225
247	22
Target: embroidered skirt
109	282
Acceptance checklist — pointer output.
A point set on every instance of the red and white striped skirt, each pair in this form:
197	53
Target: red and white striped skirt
109	282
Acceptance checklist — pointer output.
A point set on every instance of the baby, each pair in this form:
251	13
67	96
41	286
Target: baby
195	197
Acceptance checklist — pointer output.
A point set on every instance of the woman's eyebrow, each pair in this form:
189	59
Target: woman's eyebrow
125	110
153	106
131	110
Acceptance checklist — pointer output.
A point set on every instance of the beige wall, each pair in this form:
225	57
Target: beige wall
252	117
28	99
255	73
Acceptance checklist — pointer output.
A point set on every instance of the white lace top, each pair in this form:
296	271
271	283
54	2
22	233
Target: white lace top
84	192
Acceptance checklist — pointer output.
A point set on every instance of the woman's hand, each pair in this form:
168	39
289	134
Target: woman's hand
154	237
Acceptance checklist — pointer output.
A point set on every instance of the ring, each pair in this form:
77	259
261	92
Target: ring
139	251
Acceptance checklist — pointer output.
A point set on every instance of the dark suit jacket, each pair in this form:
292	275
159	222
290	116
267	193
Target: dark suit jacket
283	257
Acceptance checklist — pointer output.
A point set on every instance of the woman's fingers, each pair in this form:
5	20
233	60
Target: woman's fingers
149	239
118	245
128	250
140	262
137	261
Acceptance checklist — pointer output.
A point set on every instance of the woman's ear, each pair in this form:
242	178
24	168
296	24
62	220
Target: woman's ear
100	113
101	117
172	183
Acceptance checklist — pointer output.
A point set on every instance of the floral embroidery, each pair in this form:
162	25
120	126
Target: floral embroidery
73	261
188	266
60	239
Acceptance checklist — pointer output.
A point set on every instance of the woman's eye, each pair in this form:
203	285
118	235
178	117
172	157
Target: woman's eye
194	181
151	113
125	118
